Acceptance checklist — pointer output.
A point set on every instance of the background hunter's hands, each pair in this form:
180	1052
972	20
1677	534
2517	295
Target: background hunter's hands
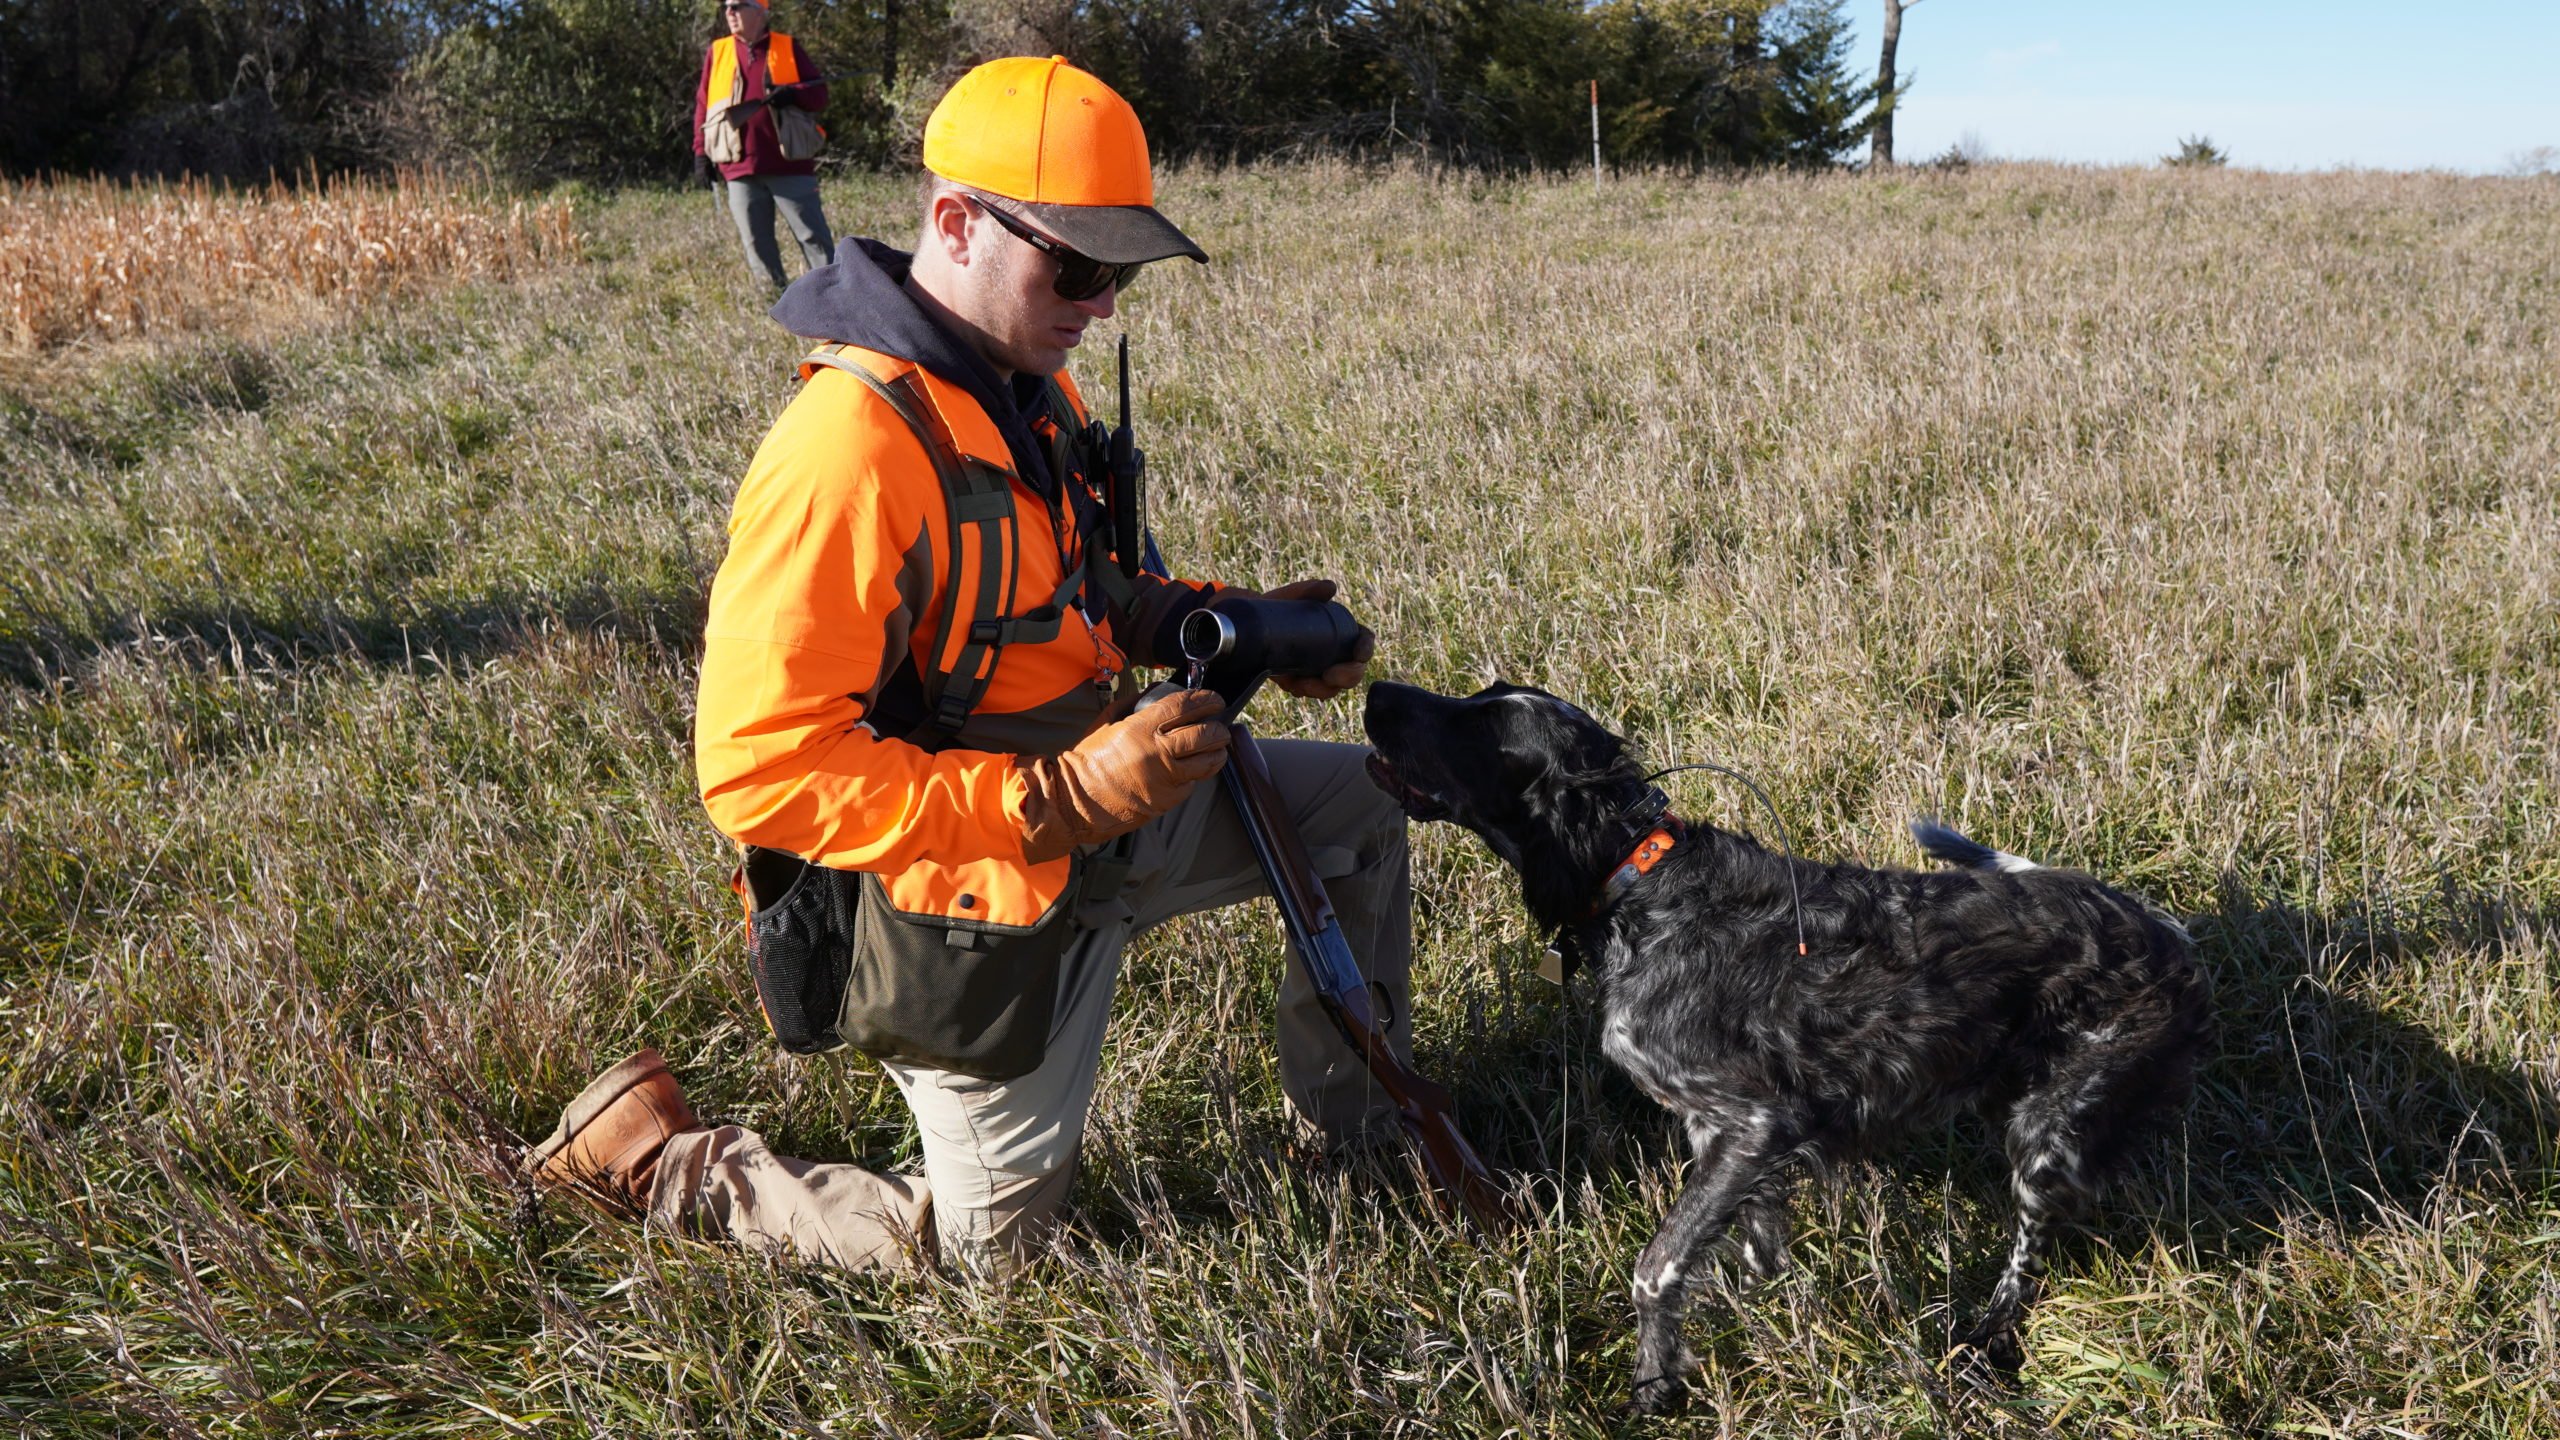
1342	677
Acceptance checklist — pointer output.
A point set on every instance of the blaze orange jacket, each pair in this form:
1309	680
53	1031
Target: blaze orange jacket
831	587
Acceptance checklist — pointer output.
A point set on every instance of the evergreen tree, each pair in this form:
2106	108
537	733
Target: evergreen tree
536	90
2198	152
1820	111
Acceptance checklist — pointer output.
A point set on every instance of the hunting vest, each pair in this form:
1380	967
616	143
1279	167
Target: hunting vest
1003	658
782	64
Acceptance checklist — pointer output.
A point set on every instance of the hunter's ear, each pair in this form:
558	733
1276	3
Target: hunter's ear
948	225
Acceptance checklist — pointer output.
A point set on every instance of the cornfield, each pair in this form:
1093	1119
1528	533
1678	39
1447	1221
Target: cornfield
98	260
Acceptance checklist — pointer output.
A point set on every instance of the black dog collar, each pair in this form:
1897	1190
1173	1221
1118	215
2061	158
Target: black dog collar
1646	809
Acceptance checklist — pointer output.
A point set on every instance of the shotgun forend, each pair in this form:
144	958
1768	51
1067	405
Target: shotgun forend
1236	640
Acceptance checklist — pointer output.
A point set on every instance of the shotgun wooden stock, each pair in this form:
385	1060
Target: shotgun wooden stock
1457	1173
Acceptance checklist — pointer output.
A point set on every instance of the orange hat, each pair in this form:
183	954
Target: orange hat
1064	147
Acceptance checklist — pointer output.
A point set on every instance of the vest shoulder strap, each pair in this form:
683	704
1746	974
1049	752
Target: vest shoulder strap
721	86
1078	436
977	504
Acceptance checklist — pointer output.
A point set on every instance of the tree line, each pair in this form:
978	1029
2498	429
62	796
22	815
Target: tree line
533	91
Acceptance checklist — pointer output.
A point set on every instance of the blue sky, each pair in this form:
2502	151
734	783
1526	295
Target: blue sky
2284	85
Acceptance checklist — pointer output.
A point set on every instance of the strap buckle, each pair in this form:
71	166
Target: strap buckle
1106	871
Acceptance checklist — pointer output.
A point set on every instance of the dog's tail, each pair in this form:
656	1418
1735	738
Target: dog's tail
1945	842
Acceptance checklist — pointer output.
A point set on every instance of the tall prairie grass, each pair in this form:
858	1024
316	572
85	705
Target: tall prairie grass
2196	528
98	260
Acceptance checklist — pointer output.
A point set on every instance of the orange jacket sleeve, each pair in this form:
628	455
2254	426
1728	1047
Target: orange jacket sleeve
829	563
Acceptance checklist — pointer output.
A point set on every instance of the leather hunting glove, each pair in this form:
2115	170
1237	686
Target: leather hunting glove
1345	676
1122	775
703	174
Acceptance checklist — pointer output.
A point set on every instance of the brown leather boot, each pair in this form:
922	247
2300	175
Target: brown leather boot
610	1136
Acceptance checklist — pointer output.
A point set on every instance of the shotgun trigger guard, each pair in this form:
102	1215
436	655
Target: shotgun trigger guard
1386	1005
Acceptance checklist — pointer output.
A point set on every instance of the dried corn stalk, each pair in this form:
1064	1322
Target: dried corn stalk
94	259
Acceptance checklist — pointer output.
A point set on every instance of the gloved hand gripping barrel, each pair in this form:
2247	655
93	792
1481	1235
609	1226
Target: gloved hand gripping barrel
1236	641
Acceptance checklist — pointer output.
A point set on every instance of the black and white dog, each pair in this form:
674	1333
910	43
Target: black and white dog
2063	1010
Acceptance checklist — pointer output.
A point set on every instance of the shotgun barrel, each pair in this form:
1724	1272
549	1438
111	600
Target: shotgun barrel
1457	1173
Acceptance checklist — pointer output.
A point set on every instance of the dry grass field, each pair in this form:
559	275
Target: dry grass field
97	261
2197	528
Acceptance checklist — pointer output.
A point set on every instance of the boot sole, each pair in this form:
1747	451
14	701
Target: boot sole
593	1101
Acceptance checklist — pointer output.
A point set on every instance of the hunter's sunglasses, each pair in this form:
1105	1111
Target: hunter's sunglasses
1080	276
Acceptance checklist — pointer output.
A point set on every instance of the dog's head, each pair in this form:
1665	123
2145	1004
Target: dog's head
1542	782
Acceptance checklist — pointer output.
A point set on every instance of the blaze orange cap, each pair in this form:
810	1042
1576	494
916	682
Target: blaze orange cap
1062	145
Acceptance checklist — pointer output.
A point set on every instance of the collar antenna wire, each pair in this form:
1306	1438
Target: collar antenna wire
1795	896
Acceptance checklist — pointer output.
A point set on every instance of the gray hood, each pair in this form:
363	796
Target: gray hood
861	299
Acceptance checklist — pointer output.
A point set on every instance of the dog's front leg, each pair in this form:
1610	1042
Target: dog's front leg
1725	1169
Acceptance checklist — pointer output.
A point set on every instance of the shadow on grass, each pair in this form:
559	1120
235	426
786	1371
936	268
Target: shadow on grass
2317	1106
2322	1108
251	639
120	425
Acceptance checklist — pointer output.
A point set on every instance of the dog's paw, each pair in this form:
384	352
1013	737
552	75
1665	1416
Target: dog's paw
1988	1355
1659	1394
1761	1233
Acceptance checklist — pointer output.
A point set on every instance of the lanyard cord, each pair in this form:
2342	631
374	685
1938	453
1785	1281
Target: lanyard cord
1793	895
1565	1031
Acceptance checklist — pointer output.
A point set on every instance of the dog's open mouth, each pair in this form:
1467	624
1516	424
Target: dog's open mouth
1418	804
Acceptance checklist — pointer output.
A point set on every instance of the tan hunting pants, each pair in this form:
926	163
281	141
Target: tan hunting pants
1000	1156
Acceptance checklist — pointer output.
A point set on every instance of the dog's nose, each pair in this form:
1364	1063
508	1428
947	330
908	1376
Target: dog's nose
1386	701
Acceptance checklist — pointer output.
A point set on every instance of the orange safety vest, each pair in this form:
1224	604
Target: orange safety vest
782	64
851	558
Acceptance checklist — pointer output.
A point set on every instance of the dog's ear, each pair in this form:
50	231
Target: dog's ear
1544	741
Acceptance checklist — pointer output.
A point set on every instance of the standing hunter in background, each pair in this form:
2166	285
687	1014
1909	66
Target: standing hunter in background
755	130
917	718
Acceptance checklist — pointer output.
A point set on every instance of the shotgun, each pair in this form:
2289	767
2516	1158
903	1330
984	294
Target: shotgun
1232	646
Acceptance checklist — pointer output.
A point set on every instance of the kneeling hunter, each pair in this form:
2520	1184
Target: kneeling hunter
919	720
